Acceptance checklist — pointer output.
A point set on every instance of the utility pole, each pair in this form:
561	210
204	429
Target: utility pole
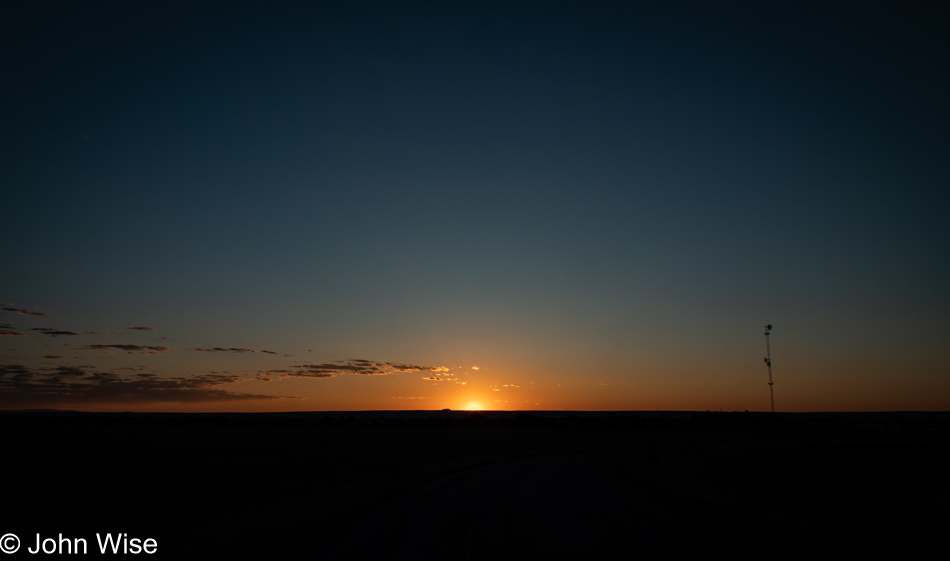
768	362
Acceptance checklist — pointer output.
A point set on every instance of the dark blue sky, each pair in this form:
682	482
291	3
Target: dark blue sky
567	192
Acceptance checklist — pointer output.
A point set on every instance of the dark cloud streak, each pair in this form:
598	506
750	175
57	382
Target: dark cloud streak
24	387
357	366
23	312
131	348
53	332
232	350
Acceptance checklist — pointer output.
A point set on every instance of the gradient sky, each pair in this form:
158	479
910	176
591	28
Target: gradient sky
597	204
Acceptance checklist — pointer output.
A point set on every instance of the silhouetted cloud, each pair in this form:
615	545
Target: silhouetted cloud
12	370
415	368
132	349
23	312
53	332
12	334
231	350
24	387
69	371
357	366
310	373
265	376
141	328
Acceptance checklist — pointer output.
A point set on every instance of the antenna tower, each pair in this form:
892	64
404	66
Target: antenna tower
768	362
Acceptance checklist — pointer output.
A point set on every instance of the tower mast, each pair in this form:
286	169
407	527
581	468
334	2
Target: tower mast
768	362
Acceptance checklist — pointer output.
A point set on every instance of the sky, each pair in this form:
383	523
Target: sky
285	206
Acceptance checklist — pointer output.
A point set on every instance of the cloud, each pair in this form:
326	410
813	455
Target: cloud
53	332
12	334
141	328
69	371
313	371
415	368
231	350
131	349
356	366
22	312
14	371
265	376
24	387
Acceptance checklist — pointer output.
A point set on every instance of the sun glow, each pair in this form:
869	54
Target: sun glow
473	406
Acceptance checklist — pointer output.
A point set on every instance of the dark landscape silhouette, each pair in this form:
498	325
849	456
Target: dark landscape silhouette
341	485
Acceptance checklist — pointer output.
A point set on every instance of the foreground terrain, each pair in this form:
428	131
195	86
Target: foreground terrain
479	485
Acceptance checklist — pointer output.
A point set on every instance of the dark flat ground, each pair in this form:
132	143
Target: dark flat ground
480	486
